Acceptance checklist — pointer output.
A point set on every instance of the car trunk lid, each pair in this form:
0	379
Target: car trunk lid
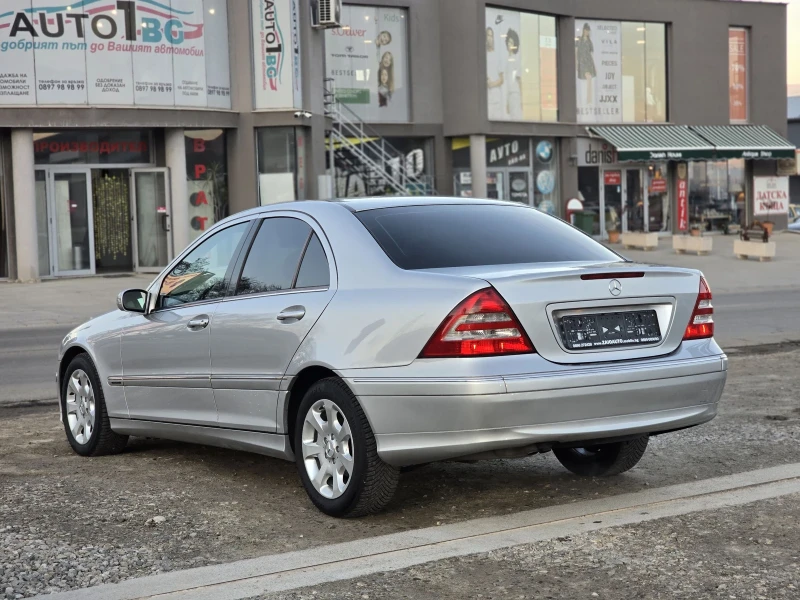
589	312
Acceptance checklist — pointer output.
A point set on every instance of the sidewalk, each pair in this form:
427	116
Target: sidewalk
725	272
69	302
63	302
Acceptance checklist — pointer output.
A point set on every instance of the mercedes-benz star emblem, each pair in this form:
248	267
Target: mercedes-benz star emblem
615	287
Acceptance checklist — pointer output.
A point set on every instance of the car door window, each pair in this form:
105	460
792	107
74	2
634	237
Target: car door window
274	257
314	270
201	274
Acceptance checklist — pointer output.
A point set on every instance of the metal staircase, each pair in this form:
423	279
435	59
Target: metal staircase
362	162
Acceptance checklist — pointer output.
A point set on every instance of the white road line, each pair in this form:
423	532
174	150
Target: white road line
248	578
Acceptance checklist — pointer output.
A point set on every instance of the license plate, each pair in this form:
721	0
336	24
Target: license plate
609	330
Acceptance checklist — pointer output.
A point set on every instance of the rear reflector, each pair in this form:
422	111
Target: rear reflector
631	275
701	325
482	325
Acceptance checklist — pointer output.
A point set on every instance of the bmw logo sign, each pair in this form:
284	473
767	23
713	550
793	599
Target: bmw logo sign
544	151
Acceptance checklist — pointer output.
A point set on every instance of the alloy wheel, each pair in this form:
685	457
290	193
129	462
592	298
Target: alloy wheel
328	449
80	407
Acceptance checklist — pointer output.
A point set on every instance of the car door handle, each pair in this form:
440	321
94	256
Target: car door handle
198	323
293	313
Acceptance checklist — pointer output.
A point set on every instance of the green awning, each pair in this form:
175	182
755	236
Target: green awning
745	141
655	142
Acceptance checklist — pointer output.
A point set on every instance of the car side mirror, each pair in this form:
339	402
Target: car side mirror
134	301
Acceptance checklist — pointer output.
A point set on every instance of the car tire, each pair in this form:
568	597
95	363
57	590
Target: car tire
83	411
603	460
325	448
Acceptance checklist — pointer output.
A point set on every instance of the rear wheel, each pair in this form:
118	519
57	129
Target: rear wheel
337	456
603	460
83	408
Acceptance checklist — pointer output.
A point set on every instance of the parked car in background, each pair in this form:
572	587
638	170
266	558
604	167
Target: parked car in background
359	337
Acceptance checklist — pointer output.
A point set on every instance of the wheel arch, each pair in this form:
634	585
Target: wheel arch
297	389
69	356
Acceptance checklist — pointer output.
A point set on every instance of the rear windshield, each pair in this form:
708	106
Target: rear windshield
444	236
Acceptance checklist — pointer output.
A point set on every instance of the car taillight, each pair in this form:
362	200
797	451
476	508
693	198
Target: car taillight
482	325
701	325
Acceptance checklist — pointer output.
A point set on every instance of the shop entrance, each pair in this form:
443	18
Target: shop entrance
634	199
623	206
102	220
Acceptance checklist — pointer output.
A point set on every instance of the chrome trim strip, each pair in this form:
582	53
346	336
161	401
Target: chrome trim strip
114	380
190	381
276	293
269	444
246	382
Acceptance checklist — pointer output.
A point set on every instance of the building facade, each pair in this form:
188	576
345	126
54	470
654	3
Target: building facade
128	128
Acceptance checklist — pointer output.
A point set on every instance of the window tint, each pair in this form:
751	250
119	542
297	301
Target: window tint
273	259
432	237
201	274
314	271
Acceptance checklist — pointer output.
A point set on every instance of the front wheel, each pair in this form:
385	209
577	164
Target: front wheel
337	456
603	460
83	409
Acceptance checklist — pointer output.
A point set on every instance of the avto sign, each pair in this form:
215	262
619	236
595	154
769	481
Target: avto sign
115	52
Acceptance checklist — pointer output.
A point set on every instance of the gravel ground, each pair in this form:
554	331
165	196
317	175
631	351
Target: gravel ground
68	522
747	552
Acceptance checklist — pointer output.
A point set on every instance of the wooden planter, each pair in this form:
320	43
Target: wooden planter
760	250
613	237
636	239
687	243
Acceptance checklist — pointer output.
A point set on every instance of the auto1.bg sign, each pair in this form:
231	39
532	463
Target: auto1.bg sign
114	52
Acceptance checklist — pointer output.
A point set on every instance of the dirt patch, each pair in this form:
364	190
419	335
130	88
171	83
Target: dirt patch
63	511
742	552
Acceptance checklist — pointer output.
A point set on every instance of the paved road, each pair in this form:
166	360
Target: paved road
27	357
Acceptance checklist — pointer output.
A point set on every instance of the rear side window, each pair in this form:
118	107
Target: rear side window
314	271
274	257
458	235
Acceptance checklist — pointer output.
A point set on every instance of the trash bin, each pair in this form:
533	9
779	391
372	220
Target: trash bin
584	221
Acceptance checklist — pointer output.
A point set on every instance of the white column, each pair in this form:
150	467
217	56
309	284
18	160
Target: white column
477	164
25	229
176	161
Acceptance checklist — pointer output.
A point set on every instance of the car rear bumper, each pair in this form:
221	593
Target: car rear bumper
425	420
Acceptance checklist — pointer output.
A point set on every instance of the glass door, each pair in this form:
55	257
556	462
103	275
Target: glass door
635	213
519	186
496	185
70	217
152	238
611	194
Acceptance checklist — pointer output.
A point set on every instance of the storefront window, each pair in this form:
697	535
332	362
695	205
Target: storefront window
206	178
521	66
367	59
737	74
277	164
408	160
658	206
716	193
621	72
523	170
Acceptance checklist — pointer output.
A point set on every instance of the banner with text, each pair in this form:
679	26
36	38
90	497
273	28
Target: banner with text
276	54
367	58
771	196
115	53
598	53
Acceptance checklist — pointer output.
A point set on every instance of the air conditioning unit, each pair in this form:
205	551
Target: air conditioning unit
326	14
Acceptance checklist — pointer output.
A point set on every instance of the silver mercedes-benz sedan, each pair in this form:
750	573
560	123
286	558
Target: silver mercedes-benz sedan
360	337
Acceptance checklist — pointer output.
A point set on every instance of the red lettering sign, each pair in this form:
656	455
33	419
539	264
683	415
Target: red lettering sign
199	171
683	205
612	177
